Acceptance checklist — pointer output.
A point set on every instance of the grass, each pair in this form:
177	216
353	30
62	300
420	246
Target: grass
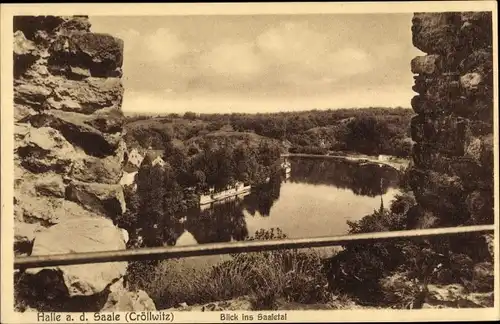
291	276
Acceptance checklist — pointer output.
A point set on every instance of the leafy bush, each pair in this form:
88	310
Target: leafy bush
358	269
265	276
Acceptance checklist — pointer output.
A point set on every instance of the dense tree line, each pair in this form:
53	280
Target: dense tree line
366	130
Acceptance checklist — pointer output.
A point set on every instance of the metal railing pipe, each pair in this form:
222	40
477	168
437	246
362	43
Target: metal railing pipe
157	253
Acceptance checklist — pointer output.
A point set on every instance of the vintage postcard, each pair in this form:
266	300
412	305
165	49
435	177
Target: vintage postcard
249	162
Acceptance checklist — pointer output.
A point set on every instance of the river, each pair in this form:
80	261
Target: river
317	199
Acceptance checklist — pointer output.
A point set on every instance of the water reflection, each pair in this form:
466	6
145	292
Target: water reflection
365	179
220	223
319	197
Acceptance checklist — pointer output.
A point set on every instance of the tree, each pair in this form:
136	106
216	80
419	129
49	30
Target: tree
189	115
151	191
129	219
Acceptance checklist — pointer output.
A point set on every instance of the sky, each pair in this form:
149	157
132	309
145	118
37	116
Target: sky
263	63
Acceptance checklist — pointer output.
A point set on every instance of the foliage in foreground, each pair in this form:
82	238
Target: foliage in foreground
292	275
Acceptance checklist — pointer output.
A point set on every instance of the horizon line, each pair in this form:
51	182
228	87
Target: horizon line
158	114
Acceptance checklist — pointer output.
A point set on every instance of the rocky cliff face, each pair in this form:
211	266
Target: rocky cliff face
453	128
452	176
69	155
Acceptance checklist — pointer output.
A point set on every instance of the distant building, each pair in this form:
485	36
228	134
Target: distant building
134	160
155	157
135	157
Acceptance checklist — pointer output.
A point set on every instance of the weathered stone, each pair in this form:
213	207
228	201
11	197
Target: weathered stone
20	132
75	23
30	25
35	206
443	96
78	73
480	61
485	300
426	103
50	185
40	210
100	53
23	46
66	104
105	199
37	72
436	33
92	169
472	83
22	112
24	234
480	149
441	90
87	235
77	129
90	95
452	176
121	300
427	157
102	170
107	120
45	149
25	53
30	94
429	64
48	211
476	29
448	133
69	127
450	296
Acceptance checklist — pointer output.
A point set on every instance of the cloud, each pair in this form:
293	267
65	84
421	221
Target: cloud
388	51
163	45
234	60
168	62
158	47
292	43
305	56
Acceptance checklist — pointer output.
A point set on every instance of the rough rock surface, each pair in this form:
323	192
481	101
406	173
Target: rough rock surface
455	296
106	199
68	161
87	235
119	299
452	175
453	131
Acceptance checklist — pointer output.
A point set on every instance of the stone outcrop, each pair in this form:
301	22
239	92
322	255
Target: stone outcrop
453	128
122	300
452	176
69	157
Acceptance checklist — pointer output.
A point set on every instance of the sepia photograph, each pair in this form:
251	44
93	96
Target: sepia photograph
168	163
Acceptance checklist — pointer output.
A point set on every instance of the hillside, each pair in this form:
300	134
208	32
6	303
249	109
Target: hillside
364	130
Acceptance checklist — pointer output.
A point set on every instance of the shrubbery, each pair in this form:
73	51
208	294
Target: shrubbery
295	276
